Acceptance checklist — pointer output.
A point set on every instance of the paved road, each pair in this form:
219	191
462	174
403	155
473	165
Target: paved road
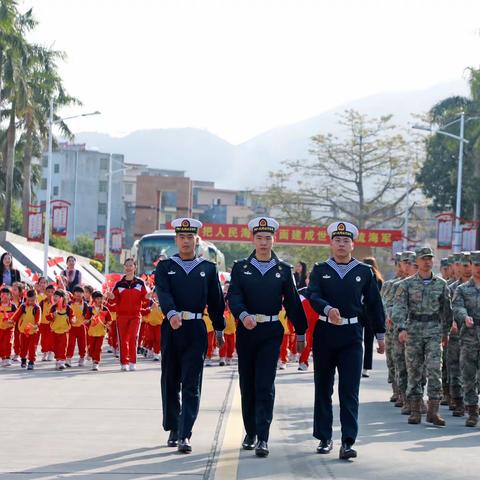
107	425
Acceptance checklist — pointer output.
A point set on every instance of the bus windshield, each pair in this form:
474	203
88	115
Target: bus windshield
150	248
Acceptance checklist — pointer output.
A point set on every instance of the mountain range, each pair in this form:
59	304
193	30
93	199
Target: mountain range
205	156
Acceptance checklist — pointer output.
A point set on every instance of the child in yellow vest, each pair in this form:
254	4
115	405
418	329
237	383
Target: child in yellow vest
97	328
154	319
78	332
226	352
45	330
282	362
27	317
61	319
211	338
7	309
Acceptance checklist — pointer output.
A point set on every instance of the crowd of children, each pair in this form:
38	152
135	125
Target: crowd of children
62	323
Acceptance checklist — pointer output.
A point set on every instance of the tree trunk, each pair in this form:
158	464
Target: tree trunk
10	163
27	174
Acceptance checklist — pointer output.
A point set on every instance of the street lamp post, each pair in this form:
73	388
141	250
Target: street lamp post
46	235
110	174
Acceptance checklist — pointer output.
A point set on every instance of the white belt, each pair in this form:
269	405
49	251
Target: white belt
190	315
259	318
345	321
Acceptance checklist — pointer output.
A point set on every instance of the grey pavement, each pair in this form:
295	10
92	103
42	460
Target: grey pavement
107	425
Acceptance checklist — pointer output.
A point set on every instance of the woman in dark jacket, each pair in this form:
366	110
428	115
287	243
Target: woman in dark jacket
368	334
8	275
71	276
300	275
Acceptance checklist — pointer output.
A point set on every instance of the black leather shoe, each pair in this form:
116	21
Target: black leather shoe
172	439
261	450
184	446
248	443
347	452
325	446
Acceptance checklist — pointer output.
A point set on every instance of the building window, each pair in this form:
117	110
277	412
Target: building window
235	220
129	189
104	163
102	208
169	199
102	186
43	185
55	191
45	161
56	168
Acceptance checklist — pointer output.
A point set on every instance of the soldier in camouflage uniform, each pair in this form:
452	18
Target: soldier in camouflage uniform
447	273
466	308
389	335
422	314
464	269
401	377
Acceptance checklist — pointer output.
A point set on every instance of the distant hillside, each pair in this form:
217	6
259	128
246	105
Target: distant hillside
205	156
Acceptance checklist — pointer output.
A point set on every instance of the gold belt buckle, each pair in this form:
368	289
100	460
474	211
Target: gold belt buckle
185	316
260	318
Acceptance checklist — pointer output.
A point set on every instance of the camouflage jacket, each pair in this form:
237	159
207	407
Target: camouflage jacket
414	297
466	301
390	296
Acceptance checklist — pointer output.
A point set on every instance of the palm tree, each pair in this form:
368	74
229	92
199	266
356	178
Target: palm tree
15	58
43	83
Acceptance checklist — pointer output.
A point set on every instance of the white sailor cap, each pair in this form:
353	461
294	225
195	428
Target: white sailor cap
186	225
342	229
263	224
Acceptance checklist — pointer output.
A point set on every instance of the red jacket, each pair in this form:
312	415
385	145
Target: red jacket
129	297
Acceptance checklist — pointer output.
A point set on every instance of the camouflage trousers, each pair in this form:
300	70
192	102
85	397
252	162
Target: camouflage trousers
390	355
401	375
470	363
423	353
444	368
453	367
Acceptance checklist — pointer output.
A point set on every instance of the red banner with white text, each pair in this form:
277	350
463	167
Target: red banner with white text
293	235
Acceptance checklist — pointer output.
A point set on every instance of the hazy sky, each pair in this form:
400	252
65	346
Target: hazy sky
240	67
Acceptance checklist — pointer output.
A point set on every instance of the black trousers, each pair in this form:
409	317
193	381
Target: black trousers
258	352
183	354
368	337
337	348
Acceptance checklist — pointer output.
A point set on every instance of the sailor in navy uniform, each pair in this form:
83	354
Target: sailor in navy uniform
259	286
339	290
185	285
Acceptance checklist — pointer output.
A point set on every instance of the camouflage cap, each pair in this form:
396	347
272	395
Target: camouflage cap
465	258
398	257
456	257
424	252
444	262
408	256
450	259
475	257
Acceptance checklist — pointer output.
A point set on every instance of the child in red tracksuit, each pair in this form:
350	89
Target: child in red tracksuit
7	309
45	330
97	323
61	319
78	332
27	317
129	294
312	319
17	292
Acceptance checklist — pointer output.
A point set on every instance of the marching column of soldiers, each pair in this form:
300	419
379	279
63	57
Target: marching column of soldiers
433	335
